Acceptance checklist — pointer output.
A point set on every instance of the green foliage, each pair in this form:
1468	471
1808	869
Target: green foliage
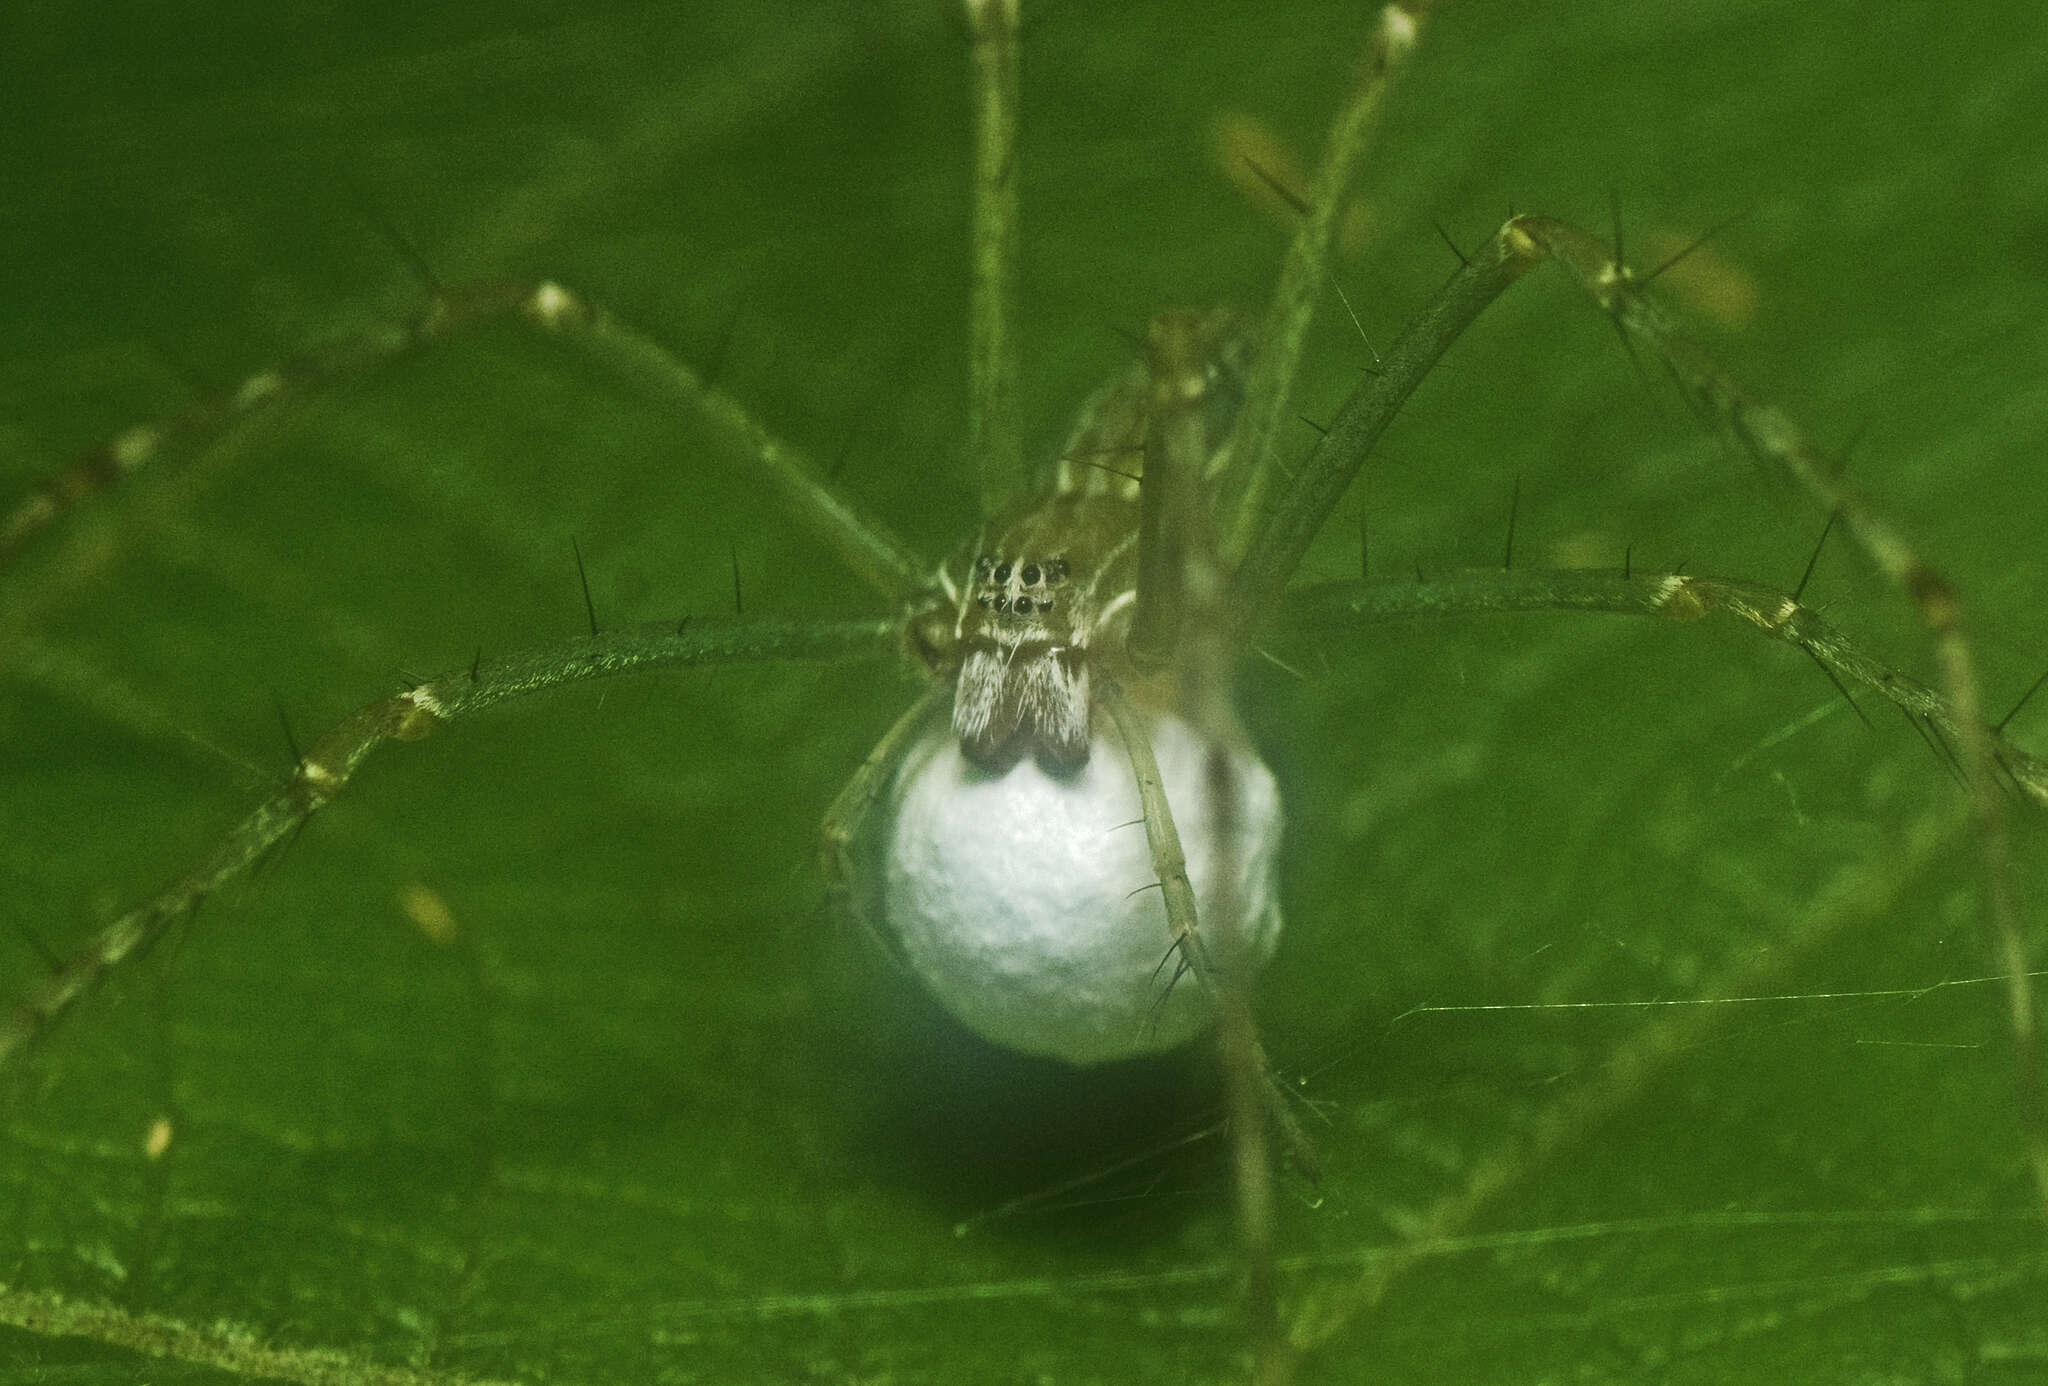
650	1116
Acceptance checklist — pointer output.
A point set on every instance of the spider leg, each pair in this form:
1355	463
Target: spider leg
1775	442
1182	631
1298	514
1772	440
994	430
1250	452
842	836
327	764
1671	596
217	434
1243	1058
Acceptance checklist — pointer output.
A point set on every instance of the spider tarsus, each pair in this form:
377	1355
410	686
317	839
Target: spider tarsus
1628	559
583	581
739	605
476	663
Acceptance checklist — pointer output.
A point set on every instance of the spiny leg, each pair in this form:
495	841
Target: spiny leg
1284	534
994	430
325	766
1861	894
1254	440
653	375
219	431
1183	623
1769	437
1243	1059
1350	604
1182	633
846	823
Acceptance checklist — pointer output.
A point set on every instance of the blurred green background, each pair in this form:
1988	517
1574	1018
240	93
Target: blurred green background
654	1118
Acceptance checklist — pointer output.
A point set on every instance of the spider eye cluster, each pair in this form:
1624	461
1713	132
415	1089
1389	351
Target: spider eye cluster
1017	586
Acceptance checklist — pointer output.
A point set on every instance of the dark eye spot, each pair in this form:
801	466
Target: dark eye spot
1003	571
1056	570
1002	603
1022	606
1030	575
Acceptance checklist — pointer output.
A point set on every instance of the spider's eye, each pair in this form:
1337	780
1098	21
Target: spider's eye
1030	575
1003	572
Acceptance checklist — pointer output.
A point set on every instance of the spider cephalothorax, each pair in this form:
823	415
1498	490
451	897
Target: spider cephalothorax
1051	586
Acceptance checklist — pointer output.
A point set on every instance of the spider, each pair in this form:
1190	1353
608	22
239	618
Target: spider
622	1123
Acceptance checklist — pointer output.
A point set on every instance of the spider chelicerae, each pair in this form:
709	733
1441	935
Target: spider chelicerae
578	1138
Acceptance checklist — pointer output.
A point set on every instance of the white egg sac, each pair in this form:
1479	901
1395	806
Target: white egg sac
1027	903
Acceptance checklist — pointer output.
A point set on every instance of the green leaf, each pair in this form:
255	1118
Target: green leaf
652	1116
